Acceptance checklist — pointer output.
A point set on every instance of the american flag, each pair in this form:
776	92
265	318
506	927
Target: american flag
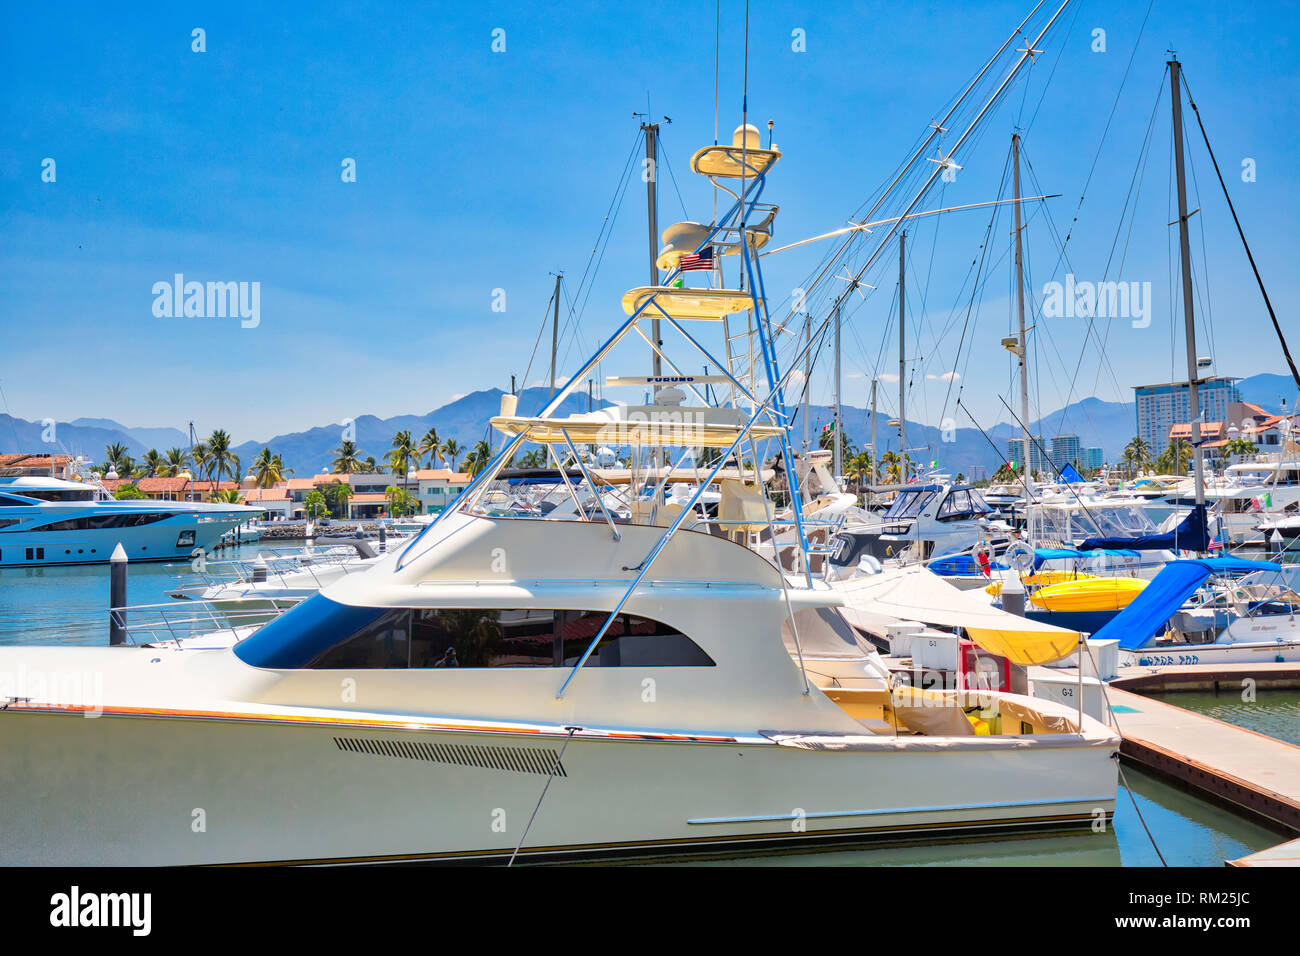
698	260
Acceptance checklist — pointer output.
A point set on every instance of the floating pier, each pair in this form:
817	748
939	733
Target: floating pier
1284	854
1248	771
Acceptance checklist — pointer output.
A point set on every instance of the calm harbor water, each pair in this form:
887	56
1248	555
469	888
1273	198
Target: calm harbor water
69	606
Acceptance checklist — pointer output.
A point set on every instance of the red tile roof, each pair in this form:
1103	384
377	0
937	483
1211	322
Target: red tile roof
266	494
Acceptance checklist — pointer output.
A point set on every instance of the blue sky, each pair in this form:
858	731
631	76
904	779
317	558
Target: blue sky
479	170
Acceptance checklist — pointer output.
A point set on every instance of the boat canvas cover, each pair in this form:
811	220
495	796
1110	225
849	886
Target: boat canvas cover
1192	534
916	594
1065	554
1150	611
1071	476
825	635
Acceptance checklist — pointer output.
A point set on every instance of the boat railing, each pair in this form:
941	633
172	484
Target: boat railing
183	621
277	568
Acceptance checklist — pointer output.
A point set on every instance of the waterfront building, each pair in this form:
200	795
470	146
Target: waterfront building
1066	450
1038	460
438	487
1160	407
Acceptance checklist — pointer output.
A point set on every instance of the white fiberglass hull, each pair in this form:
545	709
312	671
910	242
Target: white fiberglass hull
174	538
223	790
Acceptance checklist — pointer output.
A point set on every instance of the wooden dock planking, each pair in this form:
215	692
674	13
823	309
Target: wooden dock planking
1284	854
1254	772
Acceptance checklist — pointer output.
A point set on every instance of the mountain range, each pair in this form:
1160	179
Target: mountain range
959	448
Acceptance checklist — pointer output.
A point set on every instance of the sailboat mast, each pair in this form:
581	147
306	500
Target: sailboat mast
1184	246
1020	311
836	459
902	378
651	131
555	329
875	455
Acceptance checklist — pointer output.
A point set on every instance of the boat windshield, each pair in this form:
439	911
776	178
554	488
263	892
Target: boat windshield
909	503
1073	523
962	503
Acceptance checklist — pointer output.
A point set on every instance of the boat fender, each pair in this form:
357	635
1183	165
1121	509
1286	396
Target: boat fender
870	564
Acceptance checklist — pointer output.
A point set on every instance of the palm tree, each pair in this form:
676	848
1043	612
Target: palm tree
345	458
403	454
314	504
175	463
892	463
231	496
429	447
1173	460
221	460
372	467
478	459
1137	454
115	457
1239	446
201	459
400	501
336	495
154	463
826	441
534	459
451	450
268	469
858	467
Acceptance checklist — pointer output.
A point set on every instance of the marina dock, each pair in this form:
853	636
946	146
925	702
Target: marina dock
1284	854
1245	770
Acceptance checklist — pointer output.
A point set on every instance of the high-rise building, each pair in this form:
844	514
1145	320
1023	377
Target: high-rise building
1038	461
1160	407
1066	450
1093	458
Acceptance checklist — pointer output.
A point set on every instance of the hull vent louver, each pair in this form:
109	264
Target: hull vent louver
510	759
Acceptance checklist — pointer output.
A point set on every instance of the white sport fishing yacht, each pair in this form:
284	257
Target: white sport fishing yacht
550	686
50	521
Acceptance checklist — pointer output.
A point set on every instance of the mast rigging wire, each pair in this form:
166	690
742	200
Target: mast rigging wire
1286	352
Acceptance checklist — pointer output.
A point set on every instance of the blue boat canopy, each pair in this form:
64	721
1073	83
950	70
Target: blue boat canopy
1192	534
1147	615
1070	475
1059	554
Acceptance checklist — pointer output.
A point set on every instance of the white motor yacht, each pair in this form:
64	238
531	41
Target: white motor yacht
554	685
51	521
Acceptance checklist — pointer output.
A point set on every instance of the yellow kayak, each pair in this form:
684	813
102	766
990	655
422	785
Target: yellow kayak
1041	579
1092	594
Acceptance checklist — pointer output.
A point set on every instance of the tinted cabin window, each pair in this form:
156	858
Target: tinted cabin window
94	522
331	636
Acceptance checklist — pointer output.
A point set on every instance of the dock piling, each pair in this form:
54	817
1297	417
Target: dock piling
117	597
